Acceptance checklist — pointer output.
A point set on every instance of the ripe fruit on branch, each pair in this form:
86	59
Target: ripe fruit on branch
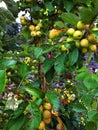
47	121
95	29
70	31
41	126
33	33
32	27
77	34
91	38
38	33
23	20
54	32
84	43
59	127
47	106
37	28
93	47
80	25
46	114
84	50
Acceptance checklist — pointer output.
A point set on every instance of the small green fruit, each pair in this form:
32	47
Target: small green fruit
80	25
70	31
69	39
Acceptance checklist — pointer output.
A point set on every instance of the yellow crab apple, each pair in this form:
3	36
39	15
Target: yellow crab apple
80	25
70	31
84	43
77	34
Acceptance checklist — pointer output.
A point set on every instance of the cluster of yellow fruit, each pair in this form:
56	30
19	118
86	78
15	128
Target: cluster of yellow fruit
84	43
65	95
47	112
46	115
35	30
23	20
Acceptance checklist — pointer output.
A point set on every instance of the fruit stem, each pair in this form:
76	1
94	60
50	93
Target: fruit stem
41	74
89	57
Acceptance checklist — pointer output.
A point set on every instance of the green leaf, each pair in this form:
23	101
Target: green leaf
7	63
70	18
84	13
91	82
68	5
59	24
96	33
2	80
26	32
81	76
93	115
79	108
47	65
49	75
54	100
23	70
35	92
90	125
87	100
15	124
59	63
49	6
73	56
37	51
34	119
36	8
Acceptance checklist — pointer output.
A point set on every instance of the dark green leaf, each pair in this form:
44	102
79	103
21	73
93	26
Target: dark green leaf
54	100
35	92
84	13
47	65
70	18
79	108
49	75
23	70
37	51
90	125
2	80
68	5
49	6
34	117
73	56
36	8
15	124
26	32
59	65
